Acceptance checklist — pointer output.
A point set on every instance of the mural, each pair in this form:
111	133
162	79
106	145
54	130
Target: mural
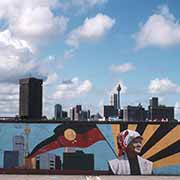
118	148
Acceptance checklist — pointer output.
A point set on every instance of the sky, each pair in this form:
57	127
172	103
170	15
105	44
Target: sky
83	49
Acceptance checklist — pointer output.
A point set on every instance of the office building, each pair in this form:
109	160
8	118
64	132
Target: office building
77	114
114	101
78	110
64	115
118	97
158	112
11	159
134	113
109	111
78	161
58	114
72	113
48	161
30	101
18	145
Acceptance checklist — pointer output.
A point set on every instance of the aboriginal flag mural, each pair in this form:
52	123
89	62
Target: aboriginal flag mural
69	135
119	148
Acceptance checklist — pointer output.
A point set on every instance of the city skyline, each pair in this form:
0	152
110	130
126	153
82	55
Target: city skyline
138	45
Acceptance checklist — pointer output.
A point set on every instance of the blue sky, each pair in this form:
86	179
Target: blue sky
84	48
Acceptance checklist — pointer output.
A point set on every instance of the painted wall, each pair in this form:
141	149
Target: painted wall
161	142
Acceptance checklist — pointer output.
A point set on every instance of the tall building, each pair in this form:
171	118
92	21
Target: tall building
153	102
18	145
77	114
114	101
78	110
134	113
159	112
48	161
72	113
64	114
30	105
119	102
85	115
109	111
58	112
11	159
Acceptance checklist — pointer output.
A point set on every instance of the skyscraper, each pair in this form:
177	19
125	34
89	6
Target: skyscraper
78	110
119	102
18	145
30	98
114	101
159	112
58	111
134	113
72	113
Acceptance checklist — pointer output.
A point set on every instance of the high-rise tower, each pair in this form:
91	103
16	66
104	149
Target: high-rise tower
30	101
119	89
58	112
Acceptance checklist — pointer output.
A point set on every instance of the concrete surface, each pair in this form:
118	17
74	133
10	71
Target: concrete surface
58	177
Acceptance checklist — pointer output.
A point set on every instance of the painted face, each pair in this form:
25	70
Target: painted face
136	145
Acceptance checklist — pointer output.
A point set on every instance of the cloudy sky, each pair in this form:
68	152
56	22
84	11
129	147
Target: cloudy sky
84	48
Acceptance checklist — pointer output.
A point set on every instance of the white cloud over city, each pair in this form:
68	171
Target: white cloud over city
161	29
59	39
165	85
122	68
32	20
81	5
73	88
92	29
9	96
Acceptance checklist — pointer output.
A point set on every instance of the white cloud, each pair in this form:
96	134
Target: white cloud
28	23
72	89
80	5
32	20
123	87
38	23
163	86
68	54
162	29
17	59
7	39
92	29
9	96
52	78
11	9
122	67
88	3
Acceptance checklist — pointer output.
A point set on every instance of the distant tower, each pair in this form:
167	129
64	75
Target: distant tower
58	112
114	101
118	104
30	100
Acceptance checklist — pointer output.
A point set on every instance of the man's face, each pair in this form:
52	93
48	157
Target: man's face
136	145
